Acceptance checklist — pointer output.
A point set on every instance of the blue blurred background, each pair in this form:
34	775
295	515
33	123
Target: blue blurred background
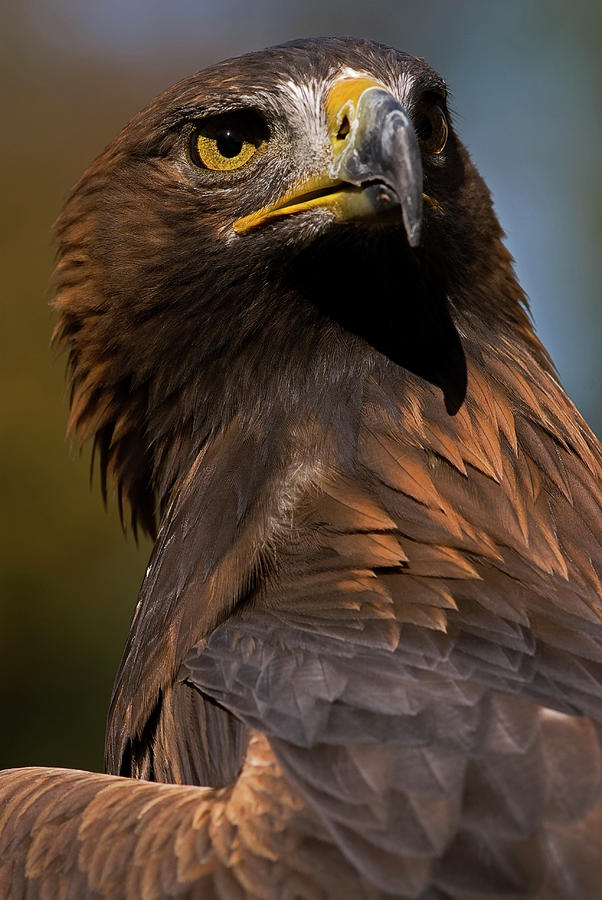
525	80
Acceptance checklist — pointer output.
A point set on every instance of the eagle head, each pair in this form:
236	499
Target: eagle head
260	237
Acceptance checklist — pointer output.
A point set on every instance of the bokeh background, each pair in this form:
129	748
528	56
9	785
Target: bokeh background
526	83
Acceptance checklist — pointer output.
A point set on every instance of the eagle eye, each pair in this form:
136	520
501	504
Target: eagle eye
432	129
227	141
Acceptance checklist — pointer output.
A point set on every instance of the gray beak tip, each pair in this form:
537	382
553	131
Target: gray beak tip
413	235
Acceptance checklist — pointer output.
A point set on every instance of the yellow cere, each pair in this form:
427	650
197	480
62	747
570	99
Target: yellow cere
225	152
341	105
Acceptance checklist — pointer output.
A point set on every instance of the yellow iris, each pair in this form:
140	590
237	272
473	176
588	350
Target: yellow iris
223	151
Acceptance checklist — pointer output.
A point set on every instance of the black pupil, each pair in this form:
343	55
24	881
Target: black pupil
229	143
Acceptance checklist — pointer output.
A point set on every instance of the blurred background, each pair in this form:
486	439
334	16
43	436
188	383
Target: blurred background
526	82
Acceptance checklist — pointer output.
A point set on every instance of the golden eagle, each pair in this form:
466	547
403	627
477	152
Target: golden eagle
366	657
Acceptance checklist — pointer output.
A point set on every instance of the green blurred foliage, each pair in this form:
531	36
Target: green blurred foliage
68	579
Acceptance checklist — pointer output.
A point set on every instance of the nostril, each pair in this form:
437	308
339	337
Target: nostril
344	129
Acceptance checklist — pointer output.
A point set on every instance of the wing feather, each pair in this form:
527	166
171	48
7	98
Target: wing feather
411	617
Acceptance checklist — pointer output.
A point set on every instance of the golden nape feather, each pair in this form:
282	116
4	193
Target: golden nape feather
366	660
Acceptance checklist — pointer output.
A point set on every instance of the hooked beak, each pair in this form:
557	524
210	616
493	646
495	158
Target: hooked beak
375	168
